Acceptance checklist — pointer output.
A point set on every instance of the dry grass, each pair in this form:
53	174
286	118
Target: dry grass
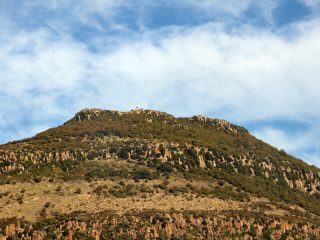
47	198
63	198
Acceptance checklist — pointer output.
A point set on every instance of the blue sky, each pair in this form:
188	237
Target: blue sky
254	63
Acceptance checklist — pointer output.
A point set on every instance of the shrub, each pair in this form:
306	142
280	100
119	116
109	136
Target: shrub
252	232
123	154
51	179
221	183
65	232
165	167
142	173
166	182
37	179
20	199
162	186
78	191
266	234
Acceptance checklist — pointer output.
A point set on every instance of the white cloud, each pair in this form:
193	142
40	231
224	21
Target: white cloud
312	158
305	144
311	3
223	71
78	8
283	140
64	16
235	8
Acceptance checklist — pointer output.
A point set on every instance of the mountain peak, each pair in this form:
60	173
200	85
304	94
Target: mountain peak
87	113
94	113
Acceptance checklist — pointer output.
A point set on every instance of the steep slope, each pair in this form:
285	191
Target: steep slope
178	160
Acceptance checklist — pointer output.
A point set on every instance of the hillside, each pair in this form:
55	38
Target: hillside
147	174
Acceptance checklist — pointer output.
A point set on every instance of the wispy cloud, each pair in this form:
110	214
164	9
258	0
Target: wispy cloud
303	143
311	3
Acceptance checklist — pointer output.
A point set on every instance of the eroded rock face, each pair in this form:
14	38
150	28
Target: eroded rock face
93	113
218	123
165	225
19	160
87	114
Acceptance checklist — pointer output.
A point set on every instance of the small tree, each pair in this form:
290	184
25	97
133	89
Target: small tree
123	154
252	231
266	234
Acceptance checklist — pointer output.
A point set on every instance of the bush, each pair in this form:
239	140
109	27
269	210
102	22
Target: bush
59	188
37	179
65	232
252	232
266	234
142	173
78	191
165	167
162	186
106	172
221	183
166	182
123	154
20	199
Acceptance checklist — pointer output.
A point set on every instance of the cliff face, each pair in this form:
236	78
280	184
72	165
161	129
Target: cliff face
195	149
20	160
167	225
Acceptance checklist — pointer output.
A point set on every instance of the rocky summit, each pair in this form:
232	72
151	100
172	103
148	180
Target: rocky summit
146	174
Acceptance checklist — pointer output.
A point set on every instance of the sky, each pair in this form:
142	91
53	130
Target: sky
254	63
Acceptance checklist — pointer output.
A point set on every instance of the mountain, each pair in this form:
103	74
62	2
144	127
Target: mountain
146	174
